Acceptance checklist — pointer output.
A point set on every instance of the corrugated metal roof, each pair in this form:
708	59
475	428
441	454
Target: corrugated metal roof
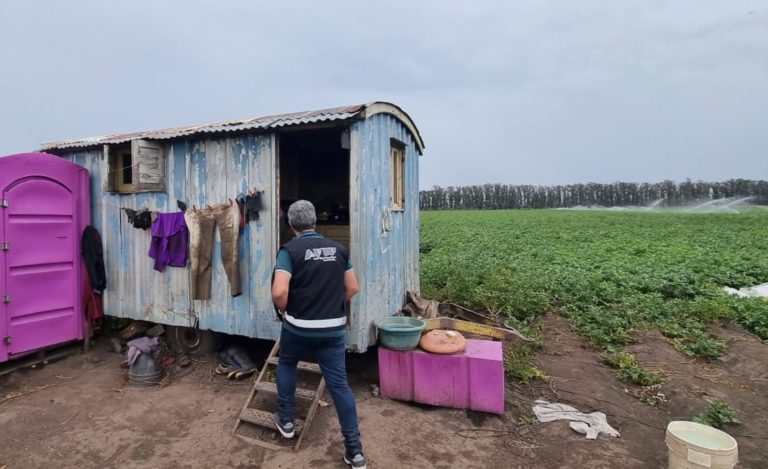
281	120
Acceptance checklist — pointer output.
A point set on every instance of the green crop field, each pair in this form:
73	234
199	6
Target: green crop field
609	272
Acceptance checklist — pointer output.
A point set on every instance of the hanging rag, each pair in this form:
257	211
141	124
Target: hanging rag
94	307
591	424
141	219
93	256
170	239
149	345
130	214
253	206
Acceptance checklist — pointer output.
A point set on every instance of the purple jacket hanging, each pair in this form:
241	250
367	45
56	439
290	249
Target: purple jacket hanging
170	239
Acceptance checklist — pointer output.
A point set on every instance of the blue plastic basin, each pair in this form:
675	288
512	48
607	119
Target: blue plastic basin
399	332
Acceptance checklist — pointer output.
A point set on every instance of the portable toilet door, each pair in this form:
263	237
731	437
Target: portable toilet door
45	207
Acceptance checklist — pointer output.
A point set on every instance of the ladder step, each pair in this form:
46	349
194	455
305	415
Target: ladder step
266	419
302	366
272	389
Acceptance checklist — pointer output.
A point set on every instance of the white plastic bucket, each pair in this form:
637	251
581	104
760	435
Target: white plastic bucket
692	445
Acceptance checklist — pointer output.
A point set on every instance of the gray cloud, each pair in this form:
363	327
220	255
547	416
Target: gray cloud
536	92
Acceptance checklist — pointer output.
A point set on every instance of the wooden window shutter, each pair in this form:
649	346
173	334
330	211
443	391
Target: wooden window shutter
110	175
149	165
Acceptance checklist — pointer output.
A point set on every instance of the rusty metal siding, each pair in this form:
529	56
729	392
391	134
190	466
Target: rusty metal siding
200	172
385	246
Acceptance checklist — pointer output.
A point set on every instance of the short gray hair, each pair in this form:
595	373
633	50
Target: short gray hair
301	215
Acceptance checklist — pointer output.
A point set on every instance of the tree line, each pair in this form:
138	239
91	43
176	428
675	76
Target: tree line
665	193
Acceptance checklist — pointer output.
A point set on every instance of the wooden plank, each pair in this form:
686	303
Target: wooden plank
302	366
234	182
156	303
237	183
195	196
214	311
267	419
510	335
144	277
356	313
412	227
271	388
178	299
261	152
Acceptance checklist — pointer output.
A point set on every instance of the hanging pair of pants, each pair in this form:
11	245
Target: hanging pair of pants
201	223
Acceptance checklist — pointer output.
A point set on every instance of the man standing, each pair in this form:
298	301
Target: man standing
313	281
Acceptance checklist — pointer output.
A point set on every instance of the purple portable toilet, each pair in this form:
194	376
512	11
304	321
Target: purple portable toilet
44	207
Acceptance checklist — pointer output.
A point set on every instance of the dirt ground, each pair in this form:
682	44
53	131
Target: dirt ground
90	417
580	379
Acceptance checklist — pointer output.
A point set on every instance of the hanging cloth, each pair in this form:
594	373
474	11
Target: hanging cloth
253	205
94	306
95	275
93	255
170	239
140	219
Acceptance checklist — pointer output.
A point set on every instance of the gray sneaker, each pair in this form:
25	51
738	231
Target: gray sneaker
285	429
357	462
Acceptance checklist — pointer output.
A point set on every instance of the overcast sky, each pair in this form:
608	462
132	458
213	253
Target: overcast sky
519	92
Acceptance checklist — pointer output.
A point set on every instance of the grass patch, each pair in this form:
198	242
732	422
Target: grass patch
628	369
518	363
717	414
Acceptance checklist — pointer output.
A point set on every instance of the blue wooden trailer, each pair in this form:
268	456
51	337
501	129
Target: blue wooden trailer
357	164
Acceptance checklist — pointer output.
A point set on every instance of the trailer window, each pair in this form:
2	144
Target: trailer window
397	157
136	166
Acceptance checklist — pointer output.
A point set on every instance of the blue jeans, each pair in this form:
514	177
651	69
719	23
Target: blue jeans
330	355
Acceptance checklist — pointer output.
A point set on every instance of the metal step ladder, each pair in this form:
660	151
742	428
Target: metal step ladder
253	416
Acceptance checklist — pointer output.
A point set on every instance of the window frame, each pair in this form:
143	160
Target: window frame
120	169
397	175
147	160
